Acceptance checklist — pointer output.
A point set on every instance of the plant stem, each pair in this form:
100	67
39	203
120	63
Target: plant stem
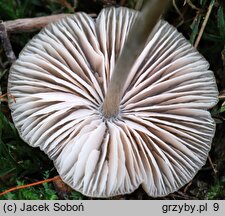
30	185
135	43
32	24
4	39
204	23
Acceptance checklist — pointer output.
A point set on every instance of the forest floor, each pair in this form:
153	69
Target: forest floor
22	165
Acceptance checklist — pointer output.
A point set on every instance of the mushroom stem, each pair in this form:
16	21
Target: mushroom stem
136	40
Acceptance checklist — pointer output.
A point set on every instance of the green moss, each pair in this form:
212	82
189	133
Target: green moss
217	190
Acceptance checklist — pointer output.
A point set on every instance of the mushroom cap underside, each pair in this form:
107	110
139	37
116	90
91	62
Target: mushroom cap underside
163	132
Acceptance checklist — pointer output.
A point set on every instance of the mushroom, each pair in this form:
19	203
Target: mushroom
159	133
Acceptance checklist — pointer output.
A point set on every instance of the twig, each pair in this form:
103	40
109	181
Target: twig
204	23
6	44
213	167
185	196
180	195
195	26
187	186
29	185
3	99
30	24
222	95
189	2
